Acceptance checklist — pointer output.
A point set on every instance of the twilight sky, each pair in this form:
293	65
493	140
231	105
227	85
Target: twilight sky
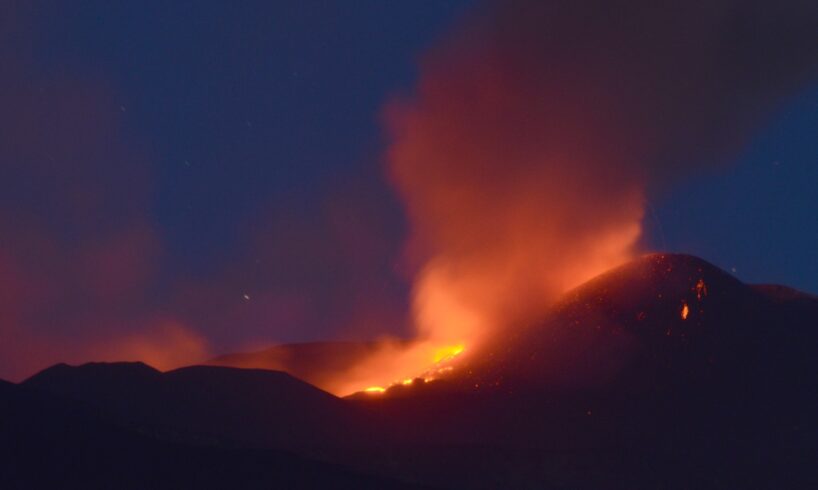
208	176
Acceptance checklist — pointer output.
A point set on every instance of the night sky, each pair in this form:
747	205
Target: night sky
210	174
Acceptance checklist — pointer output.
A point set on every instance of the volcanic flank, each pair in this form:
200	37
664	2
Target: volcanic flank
657	314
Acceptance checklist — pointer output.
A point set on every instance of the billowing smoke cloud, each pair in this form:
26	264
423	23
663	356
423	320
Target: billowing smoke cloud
539	128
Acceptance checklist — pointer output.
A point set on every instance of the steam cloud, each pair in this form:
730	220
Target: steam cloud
538	129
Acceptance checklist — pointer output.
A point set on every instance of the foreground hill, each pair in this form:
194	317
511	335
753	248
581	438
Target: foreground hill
267	408
47	441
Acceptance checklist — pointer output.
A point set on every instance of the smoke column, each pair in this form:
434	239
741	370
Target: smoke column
538	128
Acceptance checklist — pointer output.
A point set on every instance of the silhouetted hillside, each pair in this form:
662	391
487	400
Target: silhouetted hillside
49	442
266	408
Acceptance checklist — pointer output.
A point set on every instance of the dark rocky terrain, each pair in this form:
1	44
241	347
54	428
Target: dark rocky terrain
49	441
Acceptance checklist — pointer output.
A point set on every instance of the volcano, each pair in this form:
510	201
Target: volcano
664	372
658	320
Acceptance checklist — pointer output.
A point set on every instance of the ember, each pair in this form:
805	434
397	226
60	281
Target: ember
701	289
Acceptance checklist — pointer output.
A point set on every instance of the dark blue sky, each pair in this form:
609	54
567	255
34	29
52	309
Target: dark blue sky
267	103
192	155
242	106
759	213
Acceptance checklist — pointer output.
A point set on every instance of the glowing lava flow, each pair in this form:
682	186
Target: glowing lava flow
442	360
447	353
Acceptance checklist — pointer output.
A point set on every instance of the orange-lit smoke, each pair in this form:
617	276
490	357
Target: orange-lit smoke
537	131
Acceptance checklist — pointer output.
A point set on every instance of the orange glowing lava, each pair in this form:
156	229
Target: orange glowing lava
397	363
701	289
447	353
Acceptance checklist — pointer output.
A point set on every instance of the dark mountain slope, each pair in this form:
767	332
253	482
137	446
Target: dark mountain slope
50	442
257	407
